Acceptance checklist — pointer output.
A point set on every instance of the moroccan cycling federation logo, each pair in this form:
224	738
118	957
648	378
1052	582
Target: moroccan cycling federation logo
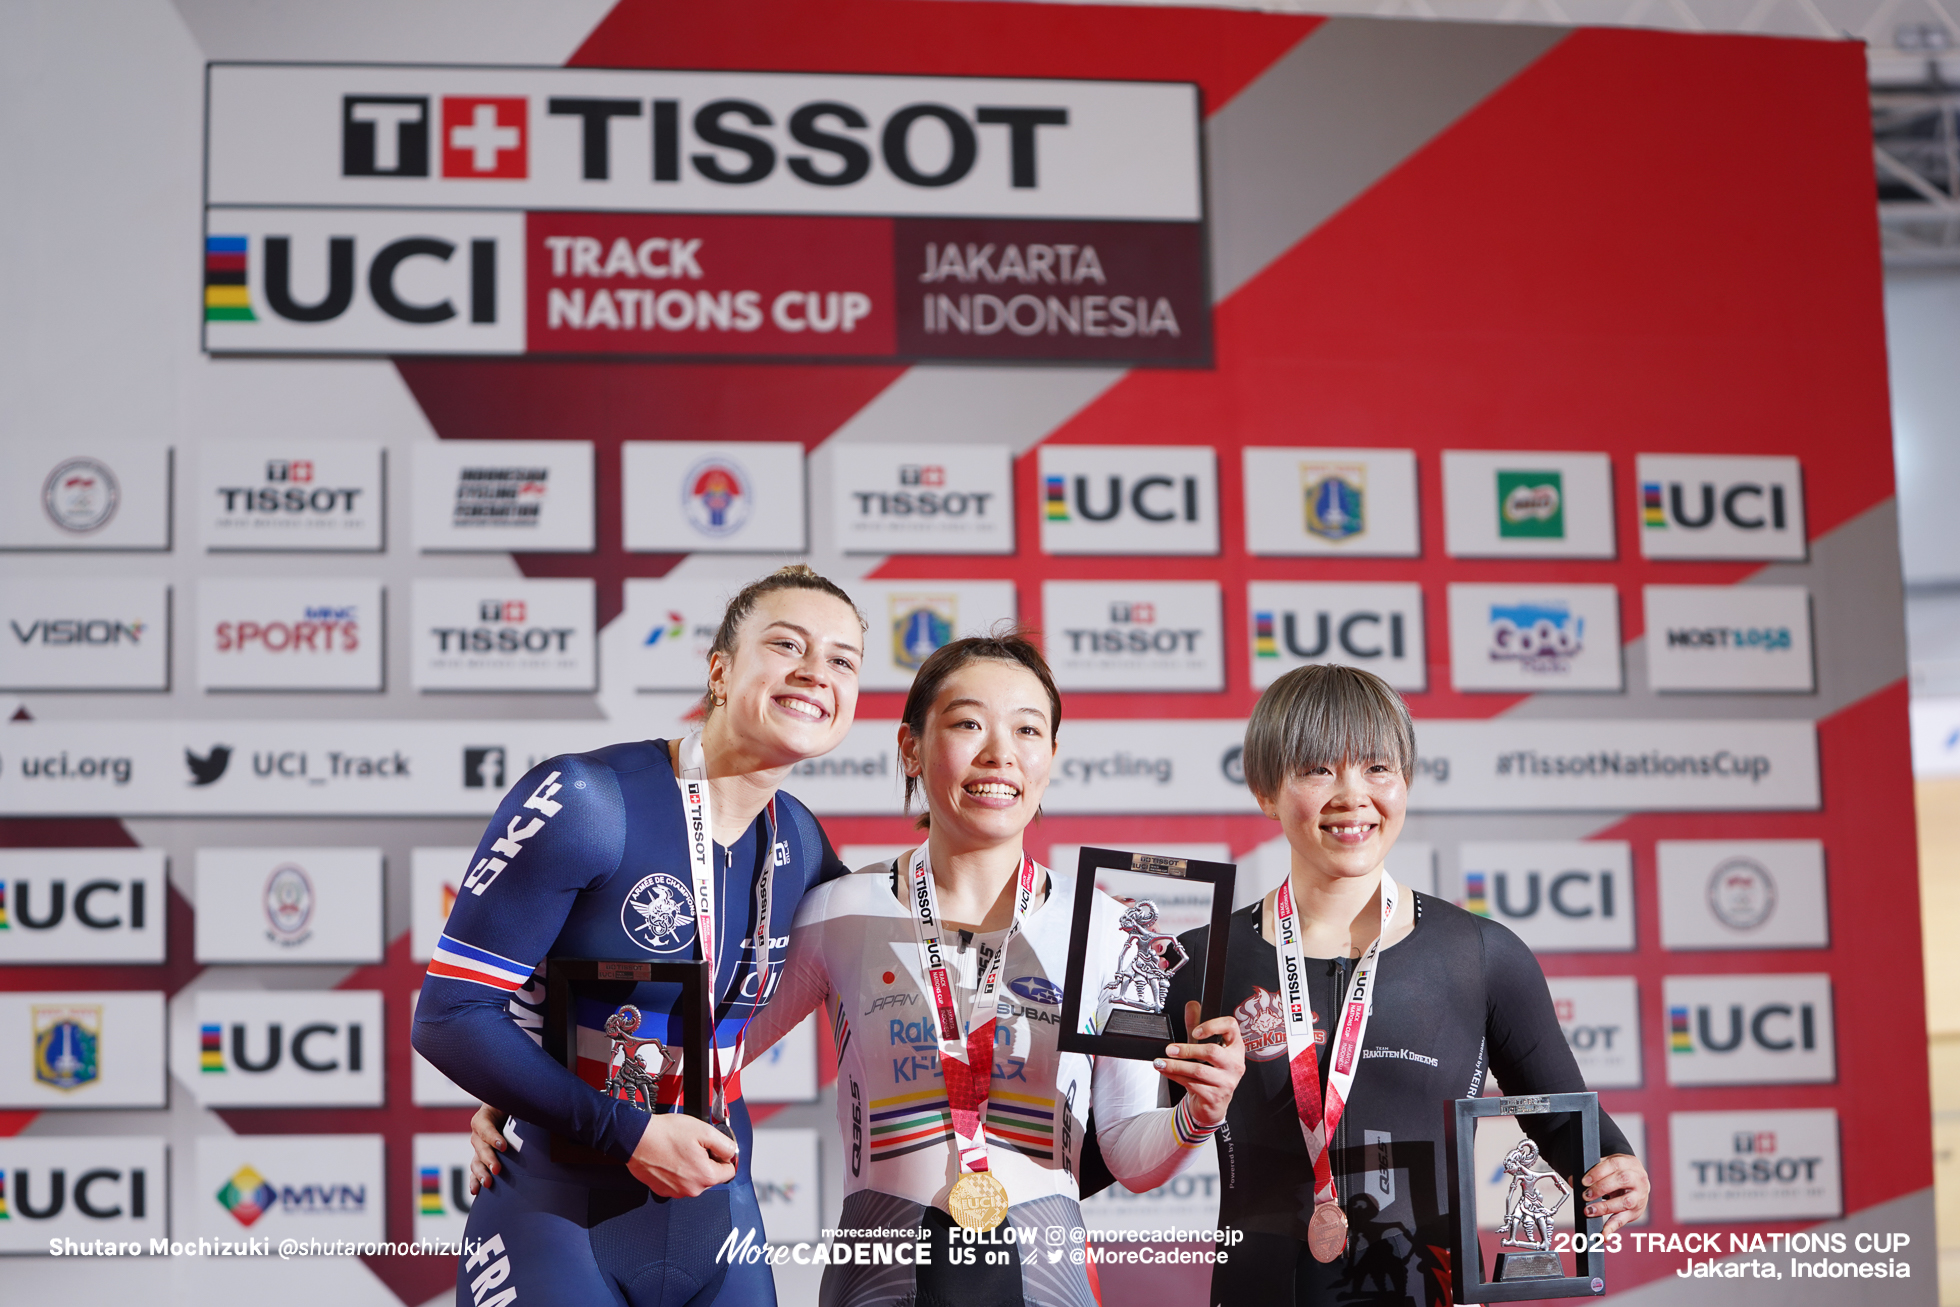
659	914
717	496
81	495
1541	637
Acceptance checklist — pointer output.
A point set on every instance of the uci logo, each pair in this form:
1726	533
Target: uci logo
1148	499
320	1047
99	1193
1716	1028
1572	894
1363	635
123	908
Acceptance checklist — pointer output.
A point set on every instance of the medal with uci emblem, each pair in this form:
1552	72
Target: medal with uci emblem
978	1201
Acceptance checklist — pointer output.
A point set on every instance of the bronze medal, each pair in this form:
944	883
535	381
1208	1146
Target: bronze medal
978	1201
1327	1232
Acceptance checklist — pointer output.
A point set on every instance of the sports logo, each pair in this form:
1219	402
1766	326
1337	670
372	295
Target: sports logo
81	495
1530	505
920	625
226	296
288	904
206	768
1036	989
1543	637
247	1195
67	1044
1742	894
659	914
1334	499
717	497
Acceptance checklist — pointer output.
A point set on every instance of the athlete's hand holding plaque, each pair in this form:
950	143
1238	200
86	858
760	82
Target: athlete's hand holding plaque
1541	1229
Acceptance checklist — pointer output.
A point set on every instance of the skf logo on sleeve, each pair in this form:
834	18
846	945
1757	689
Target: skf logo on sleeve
511	843
1702	506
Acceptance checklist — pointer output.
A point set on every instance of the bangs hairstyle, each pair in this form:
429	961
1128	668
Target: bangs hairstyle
1325	715
796	576
1011	646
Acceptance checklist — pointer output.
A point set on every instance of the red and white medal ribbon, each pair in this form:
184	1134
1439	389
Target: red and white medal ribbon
696	812
965	1063
1317	1120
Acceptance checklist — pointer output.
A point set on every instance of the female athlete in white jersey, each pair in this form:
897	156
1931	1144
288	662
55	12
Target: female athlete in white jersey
925	1141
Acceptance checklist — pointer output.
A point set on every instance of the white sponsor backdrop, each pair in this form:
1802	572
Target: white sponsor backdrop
85	493
1559	896
1119	499
1105	636
1527	504
441	1193
1702	506
300	1047
83	905
788	1186
510	635
714	497
1723	894
1755	1165
1527	639
1600	1018
1374	627
303	495
923	499
316	633
910	619
326	1187
1750	1030
1358	502
1719	637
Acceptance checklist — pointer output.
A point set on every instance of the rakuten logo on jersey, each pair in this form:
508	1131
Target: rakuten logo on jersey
1702	506
1749	1030
81	1188
1755	1166
1558	896
1166	635
258	1049
1600	1018
1376	627
85	634
311	634
923	499
530	635
1111	499
319	496
81	905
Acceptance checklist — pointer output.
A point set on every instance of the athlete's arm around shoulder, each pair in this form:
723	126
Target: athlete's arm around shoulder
805	982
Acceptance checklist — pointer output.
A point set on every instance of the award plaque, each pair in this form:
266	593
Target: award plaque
603	992
1540	1195
1116	991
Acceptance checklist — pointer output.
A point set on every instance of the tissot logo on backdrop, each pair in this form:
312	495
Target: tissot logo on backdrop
324	495
312	634
82	1050
1749	1030
769	151
1755	1166
713	497
1724	894
244	1049
1560	897
83	633
1164	635
923	499
80	1188
288	905
1702	506
1378	627
81	905
1532	638
1600	1018
1112	499
325	1187
1718	637
517	636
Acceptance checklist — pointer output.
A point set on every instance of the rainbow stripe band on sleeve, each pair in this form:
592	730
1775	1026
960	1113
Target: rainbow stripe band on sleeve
459	961
1189	1133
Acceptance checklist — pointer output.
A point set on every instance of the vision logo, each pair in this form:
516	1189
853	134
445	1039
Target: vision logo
1543	637
247	1196
716	497
67	1045
226	296
1530	505
1334	495
920	625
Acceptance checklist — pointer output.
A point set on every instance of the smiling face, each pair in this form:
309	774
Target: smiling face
1341	818
984	755
790	688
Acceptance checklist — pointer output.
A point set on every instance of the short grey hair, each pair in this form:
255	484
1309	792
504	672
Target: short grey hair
1325	714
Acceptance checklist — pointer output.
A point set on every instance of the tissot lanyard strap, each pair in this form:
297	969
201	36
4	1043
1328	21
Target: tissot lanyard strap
1318	1120
965	1063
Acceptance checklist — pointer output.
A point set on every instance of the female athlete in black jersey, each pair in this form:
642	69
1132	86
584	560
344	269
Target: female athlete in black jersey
1345	1196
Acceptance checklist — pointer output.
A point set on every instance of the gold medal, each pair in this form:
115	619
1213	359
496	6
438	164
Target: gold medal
1327	1232
979	1201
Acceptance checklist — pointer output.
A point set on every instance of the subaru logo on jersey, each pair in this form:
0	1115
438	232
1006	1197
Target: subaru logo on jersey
1165	635
1724	894
1378	627
67	1044
1749	1030
924	499
291	1047
1714	506
79	1187
1755	1165
80	905
1330	501
658	914
1558	896
1036	989
1109	499
1528	638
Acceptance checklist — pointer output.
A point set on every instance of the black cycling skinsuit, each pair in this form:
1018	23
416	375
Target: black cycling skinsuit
1459	999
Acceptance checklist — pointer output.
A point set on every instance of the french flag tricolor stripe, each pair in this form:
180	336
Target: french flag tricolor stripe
460	961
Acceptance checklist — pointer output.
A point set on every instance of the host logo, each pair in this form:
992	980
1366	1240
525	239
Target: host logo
1558	897
1740	1030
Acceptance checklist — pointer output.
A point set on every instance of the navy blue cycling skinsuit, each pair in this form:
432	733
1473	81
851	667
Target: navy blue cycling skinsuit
1458	1000
586	859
